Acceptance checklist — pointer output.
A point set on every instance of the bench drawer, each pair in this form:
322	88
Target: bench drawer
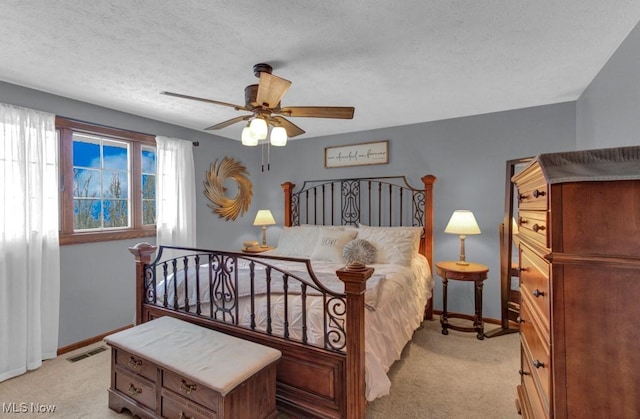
190	390
137	388
175	406
136	364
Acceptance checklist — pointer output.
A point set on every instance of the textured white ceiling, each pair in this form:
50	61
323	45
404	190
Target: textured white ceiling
397	62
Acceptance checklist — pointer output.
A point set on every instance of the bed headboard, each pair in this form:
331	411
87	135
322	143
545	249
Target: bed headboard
381	201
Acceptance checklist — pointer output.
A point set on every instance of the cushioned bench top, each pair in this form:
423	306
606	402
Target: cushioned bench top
219	361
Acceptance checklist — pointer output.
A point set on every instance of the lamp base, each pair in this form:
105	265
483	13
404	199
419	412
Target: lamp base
463	258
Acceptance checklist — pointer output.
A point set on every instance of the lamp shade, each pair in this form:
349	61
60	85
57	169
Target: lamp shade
264	217
462	222
278	136
259	128
247	138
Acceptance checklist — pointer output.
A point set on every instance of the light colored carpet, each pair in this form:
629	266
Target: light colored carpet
454	376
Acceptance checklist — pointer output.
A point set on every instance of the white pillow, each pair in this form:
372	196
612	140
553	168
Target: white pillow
300	241
394	245
330	245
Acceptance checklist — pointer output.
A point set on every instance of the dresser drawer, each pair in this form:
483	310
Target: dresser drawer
536	405
533	224
175	406
191	390
532	187
136	364
135	387
534	285
536	349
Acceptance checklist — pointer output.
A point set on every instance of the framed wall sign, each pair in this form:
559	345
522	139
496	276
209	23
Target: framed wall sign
376	152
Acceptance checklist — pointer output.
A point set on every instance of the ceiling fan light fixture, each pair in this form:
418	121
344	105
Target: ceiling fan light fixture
247	138
278	136
259	128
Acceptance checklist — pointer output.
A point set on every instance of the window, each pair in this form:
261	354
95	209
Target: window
107	183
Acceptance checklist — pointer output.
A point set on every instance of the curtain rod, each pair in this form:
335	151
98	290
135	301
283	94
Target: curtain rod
195	143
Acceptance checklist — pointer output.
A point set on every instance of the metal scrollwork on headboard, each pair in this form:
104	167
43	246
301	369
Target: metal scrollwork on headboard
383	201
225	207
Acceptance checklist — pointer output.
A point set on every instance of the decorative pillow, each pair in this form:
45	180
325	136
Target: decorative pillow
330	244
394	245
300	241
359	250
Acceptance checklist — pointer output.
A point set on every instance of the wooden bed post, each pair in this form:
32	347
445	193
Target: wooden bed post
288	189
142	253
429	181
355	285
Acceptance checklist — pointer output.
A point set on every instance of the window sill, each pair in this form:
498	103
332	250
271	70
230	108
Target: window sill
93	237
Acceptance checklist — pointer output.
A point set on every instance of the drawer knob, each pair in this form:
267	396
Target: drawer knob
538	364
183	416
134	363
522	221
187	388
134	391
519	319
537	193
523	372
537	228
537	293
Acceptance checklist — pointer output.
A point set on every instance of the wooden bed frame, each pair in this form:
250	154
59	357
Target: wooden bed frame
313	381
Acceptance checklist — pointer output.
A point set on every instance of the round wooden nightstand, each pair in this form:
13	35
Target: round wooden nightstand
475	272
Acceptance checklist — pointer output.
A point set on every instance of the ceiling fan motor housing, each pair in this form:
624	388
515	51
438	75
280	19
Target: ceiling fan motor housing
261	68
250	96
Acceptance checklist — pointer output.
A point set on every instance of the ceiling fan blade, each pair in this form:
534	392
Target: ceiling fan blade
336	112
292	129
215	102
229	122
271	89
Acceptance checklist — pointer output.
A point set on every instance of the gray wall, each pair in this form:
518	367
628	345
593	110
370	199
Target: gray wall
467	155
608	111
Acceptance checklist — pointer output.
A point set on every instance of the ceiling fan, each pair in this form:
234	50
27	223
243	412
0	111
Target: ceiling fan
263	101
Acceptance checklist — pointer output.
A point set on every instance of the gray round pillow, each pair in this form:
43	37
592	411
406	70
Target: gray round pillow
359	250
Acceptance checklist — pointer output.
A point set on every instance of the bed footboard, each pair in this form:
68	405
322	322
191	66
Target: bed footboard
313	380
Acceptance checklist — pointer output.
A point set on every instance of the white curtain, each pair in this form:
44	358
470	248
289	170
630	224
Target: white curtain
29	248
175	193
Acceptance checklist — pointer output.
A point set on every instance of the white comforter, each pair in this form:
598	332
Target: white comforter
395	300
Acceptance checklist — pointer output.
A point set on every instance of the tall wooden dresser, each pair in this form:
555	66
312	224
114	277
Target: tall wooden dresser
579	228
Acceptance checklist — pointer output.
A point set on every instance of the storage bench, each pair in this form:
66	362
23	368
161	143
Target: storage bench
170	368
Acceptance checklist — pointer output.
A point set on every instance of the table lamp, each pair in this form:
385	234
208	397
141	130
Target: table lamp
462	222
264	218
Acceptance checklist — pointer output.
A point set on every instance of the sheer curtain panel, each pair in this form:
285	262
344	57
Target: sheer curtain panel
29	248
176	193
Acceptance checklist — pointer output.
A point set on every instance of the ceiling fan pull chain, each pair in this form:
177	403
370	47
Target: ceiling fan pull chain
268	156
262	155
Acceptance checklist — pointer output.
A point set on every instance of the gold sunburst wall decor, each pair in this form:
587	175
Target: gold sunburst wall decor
214	189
